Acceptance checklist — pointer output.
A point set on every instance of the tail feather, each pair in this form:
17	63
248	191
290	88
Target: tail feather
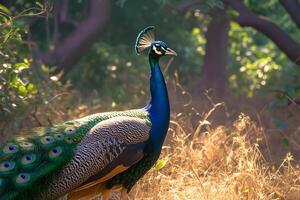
26	159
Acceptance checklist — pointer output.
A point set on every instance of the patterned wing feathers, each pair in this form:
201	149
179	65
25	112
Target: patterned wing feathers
30	162
120	140
131	130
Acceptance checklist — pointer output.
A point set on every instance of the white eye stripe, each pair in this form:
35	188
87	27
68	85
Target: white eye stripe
156	51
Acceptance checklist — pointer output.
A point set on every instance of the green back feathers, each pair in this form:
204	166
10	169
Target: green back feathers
28	163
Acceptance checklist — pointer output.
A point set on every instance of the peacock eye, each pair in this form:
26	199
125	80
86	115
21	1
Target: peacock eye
28	159
10	148
26	144
7	166
23	178
59	136
55	152
69	140
70	130
47	140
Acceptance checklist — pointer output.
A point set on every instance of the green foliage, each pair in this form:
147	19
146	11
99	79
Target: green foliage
113	61
111	71
254	62
23	87
106	66
258	67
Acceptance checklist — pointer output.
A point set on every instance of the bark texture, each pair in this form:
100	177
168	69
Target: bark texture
216	52
67	52
284	42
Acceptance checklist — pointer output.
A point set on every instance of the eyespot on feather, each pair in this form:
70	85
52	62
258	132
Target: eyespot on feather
23	178
7	166
10	148
28	159
55	152
69	140
70	130
59	136
47	140
26	145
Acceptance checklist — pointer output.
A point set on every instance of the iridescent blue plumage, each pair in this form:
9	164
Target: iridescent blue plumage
159	113
158	107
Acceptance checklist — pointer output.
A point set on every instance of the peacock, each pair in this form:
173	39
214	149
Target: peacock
92	155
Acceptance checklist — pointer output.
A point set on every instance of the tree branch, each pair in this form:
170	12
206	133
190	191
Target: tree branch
293	8
284	42
67	53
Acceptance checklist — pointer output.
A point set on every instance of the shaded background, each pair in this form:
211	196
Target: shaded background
64	59
234	86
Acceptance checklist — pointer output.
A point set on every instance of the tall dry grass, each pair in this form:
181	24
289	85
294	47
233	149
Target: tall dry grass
222	163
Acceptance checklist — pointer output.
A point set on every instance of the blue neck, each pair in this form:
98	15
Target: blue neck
158	107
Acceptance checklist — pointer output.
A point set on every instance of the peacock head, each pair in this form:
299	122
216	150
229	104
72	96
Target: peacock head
147	40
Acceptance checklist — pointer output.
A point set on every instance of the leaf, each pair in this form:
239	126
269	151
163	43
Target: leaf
14	80
22	90
31	88
21	66
4	9
160	164
45	69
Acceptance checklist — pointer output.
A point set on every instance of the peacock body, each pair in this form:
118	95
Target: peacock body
94	154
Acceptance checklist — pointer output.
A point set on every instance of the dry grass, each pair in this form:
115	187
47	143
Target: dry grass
224	163
201	161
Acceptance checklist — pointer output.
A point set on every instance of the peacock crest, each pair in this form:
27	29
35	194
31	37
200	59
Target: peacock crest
144	39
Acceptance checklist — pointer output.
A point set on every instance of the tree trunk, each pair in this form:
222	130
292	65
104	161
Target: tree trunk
68	52
216	52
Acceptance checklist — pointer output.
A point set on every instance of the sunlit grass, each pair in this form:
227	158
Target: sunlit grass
224	163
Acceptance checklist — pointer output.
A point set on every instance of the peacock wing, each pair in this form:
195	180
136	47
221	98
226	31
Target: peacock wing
29	163
110	148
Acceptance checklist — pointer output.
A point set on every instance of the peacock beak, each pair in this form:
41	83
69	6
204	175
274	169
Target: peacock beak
170	52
